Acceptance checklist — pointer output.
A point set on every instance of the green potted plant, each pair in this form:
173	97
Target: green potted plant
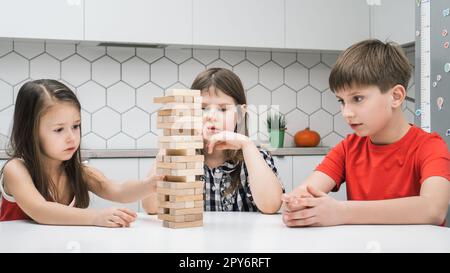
276	126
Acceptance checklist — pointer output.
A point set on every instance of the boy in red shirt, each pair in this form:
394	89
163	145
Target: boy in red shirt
396	173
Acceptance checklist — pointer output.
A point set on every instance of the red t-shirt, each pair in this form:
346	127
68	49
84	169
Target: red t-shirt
378	172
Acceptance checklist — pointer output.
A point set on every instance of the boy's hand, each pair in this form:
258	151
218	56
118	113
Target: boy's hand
318	210
226	140
114	217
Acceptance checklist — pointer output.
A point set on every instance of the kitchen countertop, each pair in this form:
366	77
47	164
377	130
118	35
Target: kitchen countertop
140	153
224	232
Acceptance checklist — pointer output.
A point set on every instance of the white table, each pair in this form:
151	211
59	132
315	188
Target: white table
222	232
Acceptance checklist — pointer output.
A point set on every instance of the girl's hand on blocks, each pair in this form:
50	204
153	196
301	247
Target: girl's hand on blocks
227	140
318	210
114	217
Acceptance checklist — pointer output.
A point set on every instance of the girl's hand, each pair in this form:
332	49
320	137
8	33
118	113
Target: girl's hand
226	140
114	217
318	210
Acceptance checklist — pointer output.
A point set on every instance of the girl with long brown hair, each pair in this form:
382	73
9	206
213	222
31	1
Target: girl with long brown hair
45	180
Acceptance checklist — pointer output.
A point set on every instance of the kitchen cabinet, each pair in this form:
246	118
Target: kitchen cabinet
284	169
394	21
139	21
326	24
43	19
250	23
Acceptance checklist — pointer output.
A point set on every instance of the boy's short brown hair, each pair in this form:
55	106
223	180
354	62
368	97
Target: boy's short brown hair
371	62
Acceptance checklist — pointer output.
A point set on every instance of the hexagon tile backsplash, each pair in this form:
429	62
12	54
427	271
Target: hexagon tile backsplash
116	86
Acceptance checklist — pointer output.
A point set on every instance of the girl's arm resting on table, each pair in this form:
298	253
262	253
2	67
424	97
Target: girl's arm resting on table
21	187
126	192
265	186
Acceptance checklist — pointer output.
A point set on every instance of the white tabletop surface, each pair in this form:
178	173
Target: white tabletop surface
228	232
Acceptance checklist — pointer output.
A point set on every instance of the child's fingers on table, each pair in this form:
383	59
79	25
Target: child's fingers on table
125	216
301	214
119	221
112	224
128	211
302	222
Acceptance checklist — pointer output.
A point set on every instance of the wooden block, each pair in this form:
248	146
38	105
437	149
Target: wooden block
199	204
177	185
176	172
169	211
181	218
199	190
180	152
181	112
182	105
170	165
172	139
168	119
179	125
183	92
179	179
175	192
167	99
176	205
194	165
182	132
185	198
181	145
178	99
183	224
185	159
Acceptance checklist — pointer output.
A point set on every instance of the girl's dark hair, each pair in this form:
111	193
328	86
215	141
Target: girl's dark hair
33	100
229	83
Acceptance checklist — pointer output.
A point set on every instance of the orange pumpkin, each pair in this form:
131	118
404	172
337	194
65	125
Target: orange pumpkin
306	138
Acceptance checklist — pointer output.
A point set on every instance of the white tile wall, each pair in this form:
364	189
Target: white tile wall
117	85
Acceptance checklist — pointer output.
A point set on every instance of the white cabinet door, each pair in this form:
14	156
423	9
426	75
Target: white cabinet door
284	168
139	21
394	21
326	24
249	23
43	19
303	166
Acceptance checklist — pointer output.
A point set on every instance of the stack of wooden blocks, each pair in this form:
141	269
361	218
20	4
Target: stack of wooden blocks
180	195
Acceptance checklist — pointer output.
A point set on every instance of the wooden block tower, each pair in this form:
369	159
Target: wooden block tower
180	196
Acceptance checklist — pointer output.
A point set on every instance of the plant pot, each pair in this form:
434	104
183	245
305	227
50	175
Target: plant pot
277	138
